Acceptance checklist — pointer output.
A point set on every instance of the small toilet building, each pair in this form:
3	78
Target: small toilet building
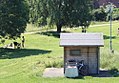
83	46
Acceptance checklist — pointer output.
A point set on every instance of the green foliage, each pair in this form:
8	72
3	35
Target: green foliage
56	64
60	12
115	15
99	14
14	16
38	12
112	58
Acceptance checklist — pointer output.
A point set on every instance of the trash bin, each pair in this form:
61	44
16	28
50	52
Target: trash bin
71	71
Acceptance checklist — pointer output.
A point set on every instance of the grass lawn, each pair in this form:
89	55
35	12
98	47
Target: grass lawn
42	50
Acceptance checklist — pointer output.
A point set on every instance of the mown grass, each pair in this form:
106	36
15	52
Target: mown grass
25	65
42	50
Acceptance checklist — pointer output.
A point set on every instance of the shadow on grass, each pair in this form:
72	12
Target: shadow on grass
52	33
103	73
108	37
17	53
108	73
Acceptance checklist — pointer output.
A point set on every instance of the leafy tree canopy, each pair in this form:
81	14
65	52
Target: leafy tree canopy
14	15
69	13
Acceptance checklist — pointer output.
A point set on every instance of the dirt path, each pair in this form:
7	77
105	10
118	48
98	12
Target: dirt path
102	25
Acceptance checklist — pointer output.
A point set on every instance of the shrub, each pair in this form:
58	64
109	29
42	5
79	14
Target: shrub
115	15
57	64
109	60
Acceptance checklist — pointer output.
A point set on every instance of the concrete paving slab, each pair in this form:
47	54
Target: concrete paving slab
53	72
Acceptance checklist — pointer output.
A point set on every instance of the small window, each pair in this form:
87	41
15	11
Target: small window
75	52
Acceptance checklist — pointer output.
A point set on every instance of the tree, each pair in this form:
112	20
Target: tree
100	14
38	13
69	13
14	15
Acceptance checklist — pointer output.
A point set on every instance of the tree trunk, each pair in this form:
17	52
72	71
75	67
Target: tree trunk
59	26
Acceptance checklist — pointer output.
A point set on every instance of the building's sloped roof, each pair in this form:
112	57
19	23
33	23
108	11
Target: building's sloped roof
81	39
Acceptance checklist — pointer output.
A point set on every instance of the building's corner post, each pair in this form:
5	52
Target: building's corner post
98	60
64	58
